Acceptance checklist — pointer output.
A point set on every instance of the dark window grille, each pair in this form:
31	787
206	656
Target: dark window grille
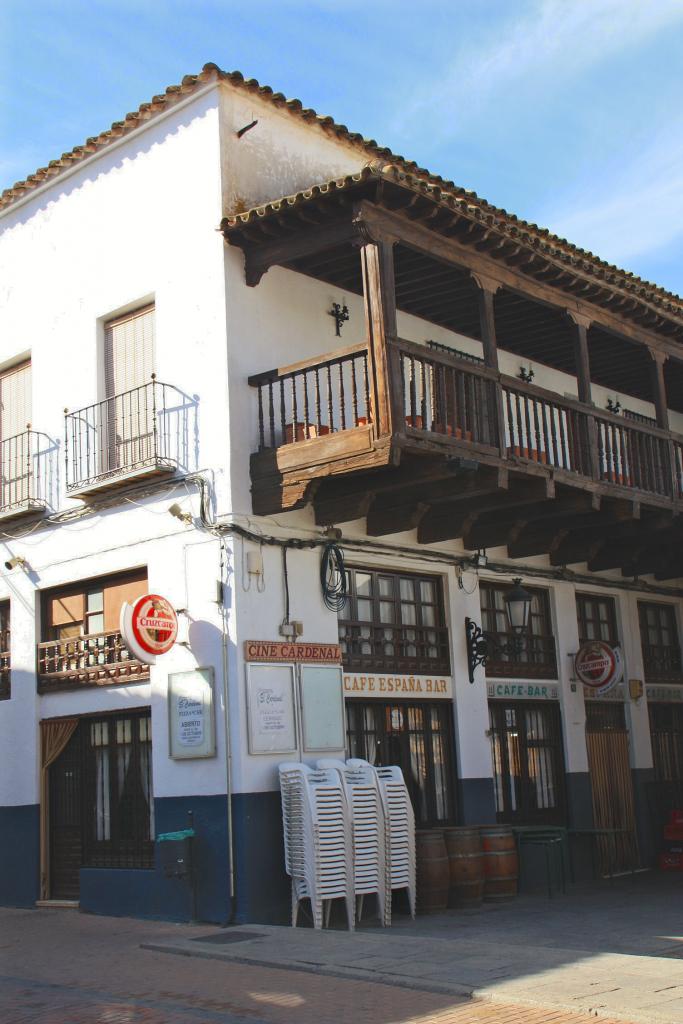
394	622
537	658
638	417
597	618
660	643
605	716
118	825
437	346
5	662
419	738
528	762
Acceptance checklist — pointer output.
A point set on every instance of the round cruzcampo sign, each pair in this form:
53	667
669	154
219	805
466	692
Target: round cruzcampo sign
598	665
149	627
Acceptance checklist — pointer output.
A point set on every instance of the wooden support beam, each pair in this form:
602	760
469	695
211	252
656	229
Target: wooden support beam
453	519
259	258
572	548
625	539
505	526
383	520
379	291
659	388
581	357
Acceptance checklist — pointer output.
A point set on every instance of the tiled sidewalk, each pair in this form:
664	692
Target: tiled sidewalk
61	967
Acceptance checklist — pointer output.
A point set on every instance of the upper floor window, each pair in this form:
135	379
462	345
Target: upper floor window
394	622
536	659
597	618
128	351
81	644
660	643
15	400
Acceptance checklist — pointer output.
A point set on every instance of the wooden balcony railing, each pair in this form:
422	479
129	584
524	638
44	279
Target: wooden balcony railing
148	428
634	455
538	659
459	402
313	398
27	472
446	395
96	659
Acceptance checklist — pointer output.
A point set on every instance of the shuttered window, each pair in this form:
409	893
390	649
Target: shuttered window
15	400
93	607
129	351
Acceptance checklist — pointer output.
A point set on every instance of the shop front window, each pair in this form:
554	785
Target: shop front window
528	764
416	737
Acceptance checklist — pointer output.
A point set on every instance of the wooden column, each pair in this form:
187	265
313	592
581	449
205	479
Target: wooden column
583	378
487	322
659	387
581	357
379	291
487	288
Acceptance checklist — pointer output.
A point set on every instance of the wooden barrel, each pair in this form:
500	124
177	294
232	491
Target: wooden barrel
501	866
432	871
465	865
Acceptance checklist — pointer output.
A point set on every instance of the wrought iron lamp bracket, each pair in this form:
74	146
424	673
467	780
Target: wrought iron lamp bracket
480	646
341	315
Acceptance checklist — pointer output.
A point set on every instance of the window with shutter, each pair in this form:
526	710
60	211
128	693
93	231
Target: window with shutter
15	415
15	400
127	411
129	351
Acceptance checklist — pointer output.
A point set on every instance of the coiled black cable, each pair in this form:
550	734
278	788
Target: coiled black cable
333	578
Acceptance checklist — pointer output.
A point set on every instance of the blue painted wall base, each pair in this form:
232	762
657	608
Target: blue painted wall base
148	893
263	888
19	855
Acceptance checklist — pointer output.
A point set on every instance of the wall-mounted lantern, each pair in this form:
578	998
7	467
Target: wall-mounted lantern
340	314
479	644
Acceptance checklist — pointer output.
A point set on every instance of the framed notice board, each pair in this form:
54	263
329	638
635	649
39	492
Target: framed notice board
322	707
191	719
271	715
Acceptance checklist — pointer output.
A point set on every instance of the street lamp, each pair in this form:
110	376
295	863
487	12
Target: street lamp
479	644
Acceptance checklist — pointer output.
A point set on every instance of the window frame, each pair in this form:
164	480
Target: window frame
542	645
352	628
375	745
611	621
662	663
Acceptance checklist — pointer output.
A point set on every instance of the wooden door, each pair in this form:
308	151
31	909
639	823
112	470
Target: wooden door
66	820
611	784
528	762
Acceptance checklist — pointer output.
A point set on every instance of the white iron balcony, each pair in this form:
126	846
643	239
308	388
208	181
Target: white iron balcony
143	432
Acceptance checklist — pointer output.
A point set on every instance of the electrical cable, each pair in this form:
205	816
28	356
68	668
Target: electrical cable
333	579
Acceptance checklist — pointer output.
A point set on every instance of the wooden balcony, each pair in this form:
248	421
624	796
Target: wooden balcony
469	453
96	659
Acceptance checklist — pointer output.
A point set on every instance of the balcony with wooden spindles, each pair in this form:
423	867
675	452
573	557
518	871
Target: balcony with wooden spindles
411	434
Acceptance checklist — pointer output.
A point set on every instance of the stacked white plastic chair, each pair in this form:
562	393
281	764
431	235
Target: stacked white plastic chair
366	822
318	850
399	822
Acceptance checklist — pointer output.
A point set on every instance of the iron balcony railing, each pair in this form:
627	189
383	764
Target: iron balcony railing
96	659
146	428
27	472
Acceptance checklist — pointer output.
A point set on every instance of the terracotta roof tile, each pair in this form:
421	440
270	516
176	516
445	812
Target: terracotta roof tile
389	163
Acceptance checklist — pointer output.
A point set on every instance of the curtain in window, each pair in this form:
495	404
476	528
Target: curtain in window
54	736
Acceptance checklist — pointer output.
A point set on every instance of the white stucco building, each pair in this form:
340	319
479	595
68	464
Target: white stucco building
164	247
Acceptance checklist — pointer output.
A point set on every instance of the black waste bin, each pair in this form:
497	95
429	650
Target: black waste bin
174	852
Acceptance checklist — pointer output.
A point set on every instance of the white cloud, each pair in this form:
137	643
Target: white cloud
550	42
628	212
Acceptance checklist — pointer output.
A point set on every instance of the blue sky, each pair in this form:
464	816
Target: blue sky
568	113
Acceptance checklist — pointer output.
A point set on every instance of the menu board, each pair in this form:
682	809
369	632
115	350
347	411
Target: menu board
270	709
191	723
322	708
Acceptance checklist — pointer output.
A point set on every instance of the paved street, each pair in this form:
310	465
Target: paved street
62	967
